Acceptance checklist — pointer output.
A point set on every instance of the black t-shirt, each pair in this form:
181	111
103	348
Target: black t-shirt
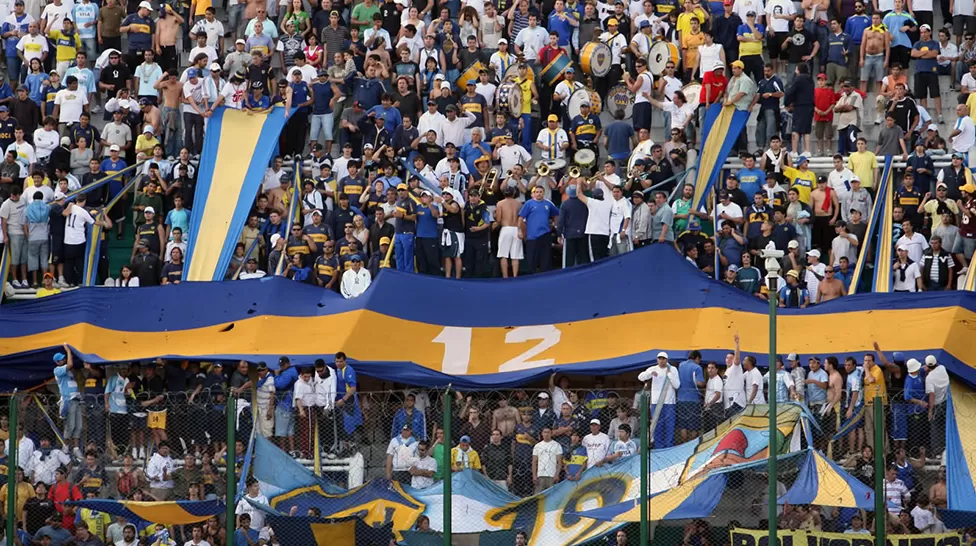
37	511
801	44
432	153
176	379
443	102
115	74
155	386
409	106
257	77
391	17
903	112
7	132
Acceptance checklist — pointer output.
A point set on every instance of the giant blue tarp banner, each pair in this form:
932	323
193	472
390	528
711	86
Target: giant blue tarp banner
488	333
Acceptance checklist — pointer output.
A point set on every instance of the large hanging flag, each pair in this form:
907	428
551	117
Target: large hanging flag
864	247
236	150
723	124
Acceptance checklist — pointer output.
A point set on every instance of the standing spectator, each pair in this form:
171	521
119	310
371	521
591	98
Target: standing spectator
423	469
937	389
401	454
665	382
547	458
497	461
464	457
689	401
597	445
159	470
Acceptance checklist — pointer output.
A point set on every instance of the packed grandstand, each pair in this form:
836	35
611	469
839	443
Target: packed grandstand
161	157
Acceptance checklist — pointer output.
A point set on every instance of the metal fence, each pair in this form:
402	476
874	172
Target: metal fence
515	439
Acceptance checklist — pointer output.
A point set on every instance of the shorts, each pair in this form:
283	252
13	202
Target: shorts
960	21
689	415
284	423
57	251
926	85
265	426
72	420
835	73
964	246
18	249
452	244
776	50
802	119
825	130
509	244
137	420
157	420
37	255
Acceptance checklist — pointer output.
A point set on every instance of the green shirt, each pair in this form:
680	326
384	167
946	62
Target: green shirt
146	200
439	457
362	12
681	206
742	84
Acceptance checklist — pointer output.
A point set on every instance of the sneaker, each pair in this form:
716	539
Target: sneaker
21	284
142	453
8	290
941	119
96	109
77	453
135	453
878	120
62	283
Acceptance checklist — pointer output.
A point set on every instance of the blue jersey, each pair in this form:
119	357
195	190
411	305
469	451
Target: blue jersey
14	22
426	223
926	65
894	21
85	13
751	181
35	86
854	27
109	168
260	103
575	460
560	24
48	94
689	374
299	94
140	33
537	215
284	383
585	128
67	385
323	97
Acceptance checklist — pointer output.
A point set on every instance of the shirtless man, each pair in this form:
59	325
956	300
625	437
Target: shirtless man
875	50
510	237
826	210
835	387
830	288
151	116
172	90
504	419
168	28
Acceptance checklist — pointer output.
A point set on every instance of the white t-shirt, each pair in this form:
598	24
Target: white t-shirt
531	41
427	463
257	516
732	210
712	387
55	15
743	7
548	454
680	115
916	245
735	392
968	83
234	94
552	142
647	84
72	104
213	30
754	378
403	452
597	446
937	381
967	138
620	210
199	93
908	285
779	7
708	55
76	225
33	47
813	283
840	182
962	8
842	246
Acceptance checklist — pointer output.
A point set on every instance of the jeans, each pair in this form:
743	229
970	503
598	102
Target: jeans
527	138
14	65
172	131
235	19
873	68
90	47
321	123
766	126
193	132
403	244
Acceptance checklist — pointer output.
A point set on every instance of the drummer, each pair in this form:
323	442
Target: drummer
641	87
501	60
618	44
585	131
560	96
475	104
640	44
553	140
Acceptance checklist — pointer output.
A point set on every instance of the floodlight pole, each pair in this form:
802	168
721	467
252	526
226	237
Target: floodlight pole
772	257
645	453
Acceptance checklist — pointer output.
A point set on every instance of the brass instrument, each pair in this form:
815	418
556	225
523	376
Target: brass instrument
543	169
575	171
509	173
490	179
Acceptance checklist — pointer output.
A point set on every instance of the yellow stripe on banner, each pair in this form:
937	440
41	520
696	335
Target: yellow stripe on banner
710	151
168	513
239	136
293	213
885	235
334	533
832	488
4	268
971	278
483	350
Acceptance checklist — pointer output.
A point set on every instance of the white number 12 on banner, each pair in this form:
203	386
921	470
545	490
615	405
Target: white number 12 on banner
457	347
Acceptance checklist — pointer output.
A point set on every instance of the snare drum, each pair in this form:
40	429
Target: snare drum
692	93
596	59
658	58
620	97
471	74
509	99
553	72
584	95
585	158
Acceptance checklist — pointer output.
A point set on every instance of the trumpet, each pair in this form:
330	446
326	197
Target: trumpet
543	170
575	171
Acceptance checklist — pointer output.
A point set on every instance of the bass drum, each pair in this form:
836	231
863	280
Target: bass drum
641	151
692	93
470	74
512	73
509	99
596	59
658	58
553	72
584	95
619	97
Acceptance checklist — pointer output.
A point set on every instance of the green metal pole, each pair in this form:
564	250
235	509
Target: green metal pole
230	474
447	472
880	507
645	522
773	451
12	470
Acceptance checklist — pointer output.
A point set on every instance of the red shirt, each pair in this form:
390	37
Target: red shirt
60	493
824	98
714	85
548	54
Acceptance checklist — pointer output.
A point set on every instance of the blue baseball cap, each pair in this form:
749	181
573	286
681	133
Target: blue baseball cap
59	357
4	108
465	440
192	73
570	191
898	357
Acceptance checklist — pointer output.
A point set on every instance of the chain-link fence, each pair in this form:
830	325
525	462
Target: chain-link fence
560	462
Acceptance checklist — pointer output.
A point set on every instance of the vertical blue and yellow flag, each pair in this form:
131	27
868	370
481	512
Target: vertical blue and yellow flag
236	150
885	246
723	124
93	247
294	213
865	245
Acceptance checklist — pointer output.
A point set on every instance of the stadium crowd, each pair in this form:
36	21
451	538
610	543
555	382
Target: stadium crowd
416	153
157	431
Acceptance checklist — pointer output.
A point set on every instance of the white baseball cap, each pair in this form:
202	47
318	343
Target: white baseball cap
145	4
662	354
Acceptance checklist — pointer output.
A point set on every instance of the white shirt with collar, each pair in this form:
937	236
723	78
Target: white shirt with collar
324	388
354	283
659	377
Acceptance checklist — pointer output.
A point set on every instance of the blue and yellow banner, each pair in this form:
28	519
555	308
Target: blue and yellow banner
93	246
864	247
164	512
723	124
4	268
822	482
884	249
236	152
960	454
433	345
309	531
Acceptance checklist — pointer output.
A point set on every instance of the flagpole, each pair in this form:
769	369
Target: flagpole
12	465
772	257
880	508
645	524
447	471
230	459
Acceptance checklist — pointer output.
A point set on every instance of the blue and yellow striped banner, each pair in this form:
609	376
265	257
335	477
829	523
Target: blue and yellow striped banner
4	268
70	196
722	127
294	215
95	231
885	246
865	246
164	512
236	151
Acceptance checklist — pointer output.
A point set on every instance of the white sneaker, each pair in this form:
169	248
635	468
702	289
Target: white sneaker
135	453
77	453
941	119
878	120
8	290
96	109
21	284
142	453
62	283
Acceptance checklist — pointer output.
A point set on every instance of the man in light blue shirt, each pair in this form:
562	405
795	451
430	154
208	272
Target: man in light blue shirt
689	396
117	406
785	389
816	386
86	78
85	16
70	403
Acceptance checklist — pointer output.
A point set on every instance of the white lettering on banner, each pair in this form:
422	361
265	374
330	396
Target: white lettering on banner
457	347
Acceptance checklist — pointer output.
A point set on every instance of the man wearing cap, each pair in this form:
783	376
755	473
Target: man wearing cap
15	25
597	445
356	279
664	383
464	457
401	454
141	30
553	140
905	276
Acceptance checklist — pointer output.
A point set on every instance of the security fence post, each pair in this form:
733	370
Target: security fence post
230	475
880	507
645	452
12	469
446	471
